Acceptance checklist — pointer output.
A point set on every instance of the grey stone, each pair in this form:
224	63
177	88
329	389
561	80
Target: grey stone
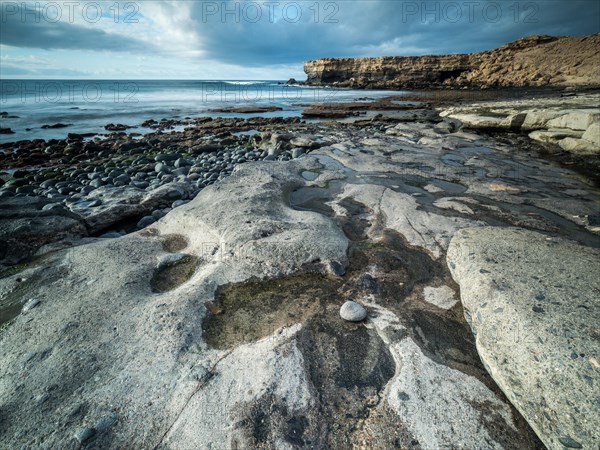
25	190
182	162
161	167
53	206
167	157
145	221
297	152
25	227
303	142
353	312
170	259
123	179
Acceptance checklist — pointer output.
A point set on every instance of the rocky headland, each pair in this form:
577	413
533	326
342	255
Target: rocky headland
530	61
405	273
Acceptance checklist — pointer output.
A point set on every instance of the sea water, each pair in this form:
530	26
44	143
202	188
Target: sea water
88	105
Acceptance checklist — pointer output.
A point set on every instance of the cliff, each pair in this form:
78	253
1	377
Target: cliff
530	61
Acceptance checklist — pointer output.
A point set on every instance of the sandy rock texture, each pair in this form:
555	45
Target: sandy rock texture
532	302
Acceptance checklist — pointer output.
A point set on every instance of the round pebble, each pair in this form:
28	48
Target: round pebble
145	221
353	312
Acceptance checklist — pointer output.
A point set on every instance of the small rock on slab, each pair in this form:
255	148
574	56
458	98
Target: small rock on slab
353	312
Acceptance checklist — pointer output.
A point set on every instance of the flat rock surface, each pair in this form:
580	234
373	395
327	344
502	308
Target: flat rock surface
532	302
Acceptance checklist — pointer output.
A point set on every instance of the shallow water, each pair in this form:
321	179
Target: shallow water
87	105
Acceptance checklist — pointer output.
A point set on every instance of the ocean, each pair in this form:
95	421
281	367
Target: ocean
88	105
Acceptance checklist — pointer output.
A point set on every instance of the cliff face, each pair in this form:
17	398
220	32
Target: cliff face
390	71
530	61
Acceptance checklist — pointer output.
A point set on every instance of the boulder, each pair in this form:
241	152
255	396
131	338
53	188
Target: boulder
592	134
581	146
26	225
481	121
554	136
126	203
532	303
576	119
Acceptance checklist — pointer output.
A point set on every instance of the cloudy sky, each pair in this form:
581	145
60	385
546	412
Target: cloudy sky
258	39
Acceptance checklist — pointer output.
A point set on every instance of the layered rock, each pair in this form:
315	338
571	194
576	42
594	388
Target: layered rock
572	123
530	61
386	72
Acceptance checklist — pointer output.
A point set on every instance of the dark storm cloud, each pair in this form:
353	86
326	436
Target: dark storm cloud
233	32
22	26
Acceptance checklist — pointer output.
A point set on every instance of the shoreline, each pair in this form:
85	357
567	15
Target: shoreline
90	179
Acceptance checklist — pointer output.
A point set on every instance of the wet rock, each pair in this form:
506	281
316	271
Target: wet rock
117	127
569	442
353	312
182	162
178	203
56	125
248	109
25	190
170	259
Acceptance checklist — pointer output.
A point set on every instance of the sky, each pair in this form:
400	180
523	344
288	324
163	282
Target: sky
258	40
